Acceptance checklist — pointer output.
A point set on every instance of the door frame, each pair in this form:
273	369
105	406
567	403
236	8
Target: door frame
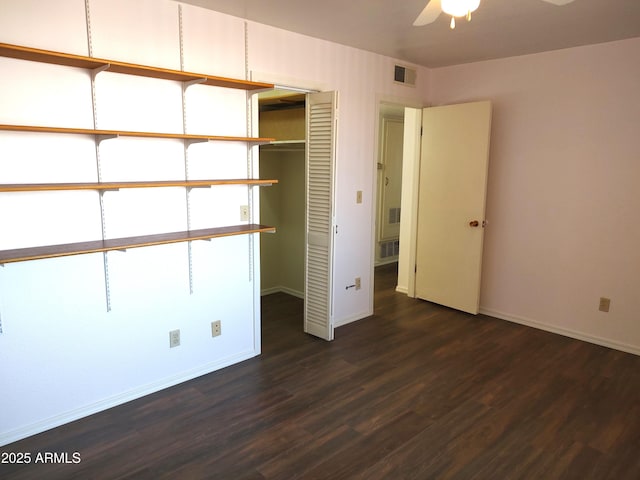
409	201
386	119
302	86
406	222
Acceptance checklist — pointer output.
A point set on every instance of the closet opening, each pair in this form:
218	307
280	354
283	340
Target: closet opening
282	115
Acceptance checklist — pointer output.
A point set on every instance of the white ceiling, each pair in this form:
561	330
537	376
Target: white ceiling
499	28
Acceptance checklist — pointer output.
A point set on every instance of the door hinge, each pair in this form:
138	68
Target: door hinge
421	128
415	269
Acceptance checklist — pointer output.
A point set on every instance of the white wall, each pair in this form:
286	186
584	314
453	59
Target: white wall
563	190
62	354
361	79
282	253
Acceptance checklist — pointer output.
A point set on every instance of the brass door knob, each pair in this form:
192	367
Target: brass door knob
474	223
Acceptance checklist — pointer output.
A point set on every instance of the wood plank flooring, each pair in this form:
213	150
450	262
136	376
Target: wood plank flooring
416	391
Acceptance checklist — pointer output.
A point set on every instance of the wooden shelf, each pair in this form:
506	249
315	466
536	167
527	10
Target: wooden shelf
122	133
285	146
36	187
95	246
91	63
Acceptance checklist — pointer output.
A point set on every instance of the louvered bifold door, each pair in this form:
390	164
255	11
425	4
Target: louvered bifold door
321	124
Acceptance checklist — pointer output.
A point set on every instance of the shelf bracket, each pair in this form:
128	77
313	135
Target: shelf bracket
190	83
190	141
102	190
102	137
100	69
190	187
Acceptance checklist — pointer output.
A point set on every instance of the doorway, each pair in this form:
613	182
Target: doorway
306	207
389	183
282	116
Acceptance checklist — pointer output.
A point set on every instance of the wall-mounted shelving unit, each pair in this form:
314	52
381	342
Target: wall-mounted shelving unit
92	63
107	134
97	65
95	246
40	187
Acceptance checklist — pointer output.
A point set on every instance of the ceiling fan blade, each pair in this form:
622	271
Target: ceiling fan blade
429	14
558	2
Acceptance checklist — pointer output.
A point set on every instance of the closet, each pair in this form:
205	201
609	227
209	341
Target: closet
282	116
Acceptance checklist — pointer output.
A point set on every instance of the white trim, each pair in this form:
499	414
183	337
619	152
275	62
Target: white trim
402	289
409	203
288	83
115	400
352	318
293	89
256	272
386	261
282	289
562	331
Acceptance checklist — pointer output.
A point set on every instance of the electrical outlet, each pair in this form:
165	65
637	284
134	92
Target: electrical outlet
244	213
174	338
216	328
359	196
605	303
358	283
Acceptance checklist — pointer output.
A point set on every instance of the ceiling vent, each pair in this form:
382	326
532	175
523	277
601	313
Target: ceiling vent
404	75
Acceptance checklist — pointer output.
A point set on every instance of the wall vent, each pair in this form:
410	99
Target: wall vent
404	75
389	249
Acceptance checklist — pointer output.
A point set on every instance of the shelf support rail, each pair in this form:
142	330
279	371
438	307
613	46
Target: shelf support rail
98	141
250	147
187	143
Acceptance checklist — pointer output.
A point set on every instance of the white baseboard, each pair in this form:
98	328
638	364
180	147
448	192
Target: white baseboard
352	318
295	293
604	342
386	261
281	289
402	289
76	414
269	291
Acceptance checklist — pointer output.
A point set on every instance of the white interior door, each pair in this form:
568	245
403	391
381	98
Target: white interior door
320	153
451	206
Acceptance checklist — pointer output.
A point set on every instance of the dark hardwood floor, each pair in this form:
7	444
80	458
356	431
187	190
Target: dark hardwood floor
417	391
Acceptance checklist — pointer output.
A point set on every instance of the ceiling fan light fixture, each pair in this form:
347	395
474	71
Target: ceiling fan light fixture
459	8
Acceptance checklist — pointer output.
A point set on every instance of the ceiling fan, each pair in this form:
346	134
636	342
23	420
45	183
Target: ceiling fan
457	8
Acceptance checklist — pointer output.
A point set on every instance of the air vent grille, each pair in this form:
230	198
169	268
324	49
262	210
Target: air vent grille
404	75
389	249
